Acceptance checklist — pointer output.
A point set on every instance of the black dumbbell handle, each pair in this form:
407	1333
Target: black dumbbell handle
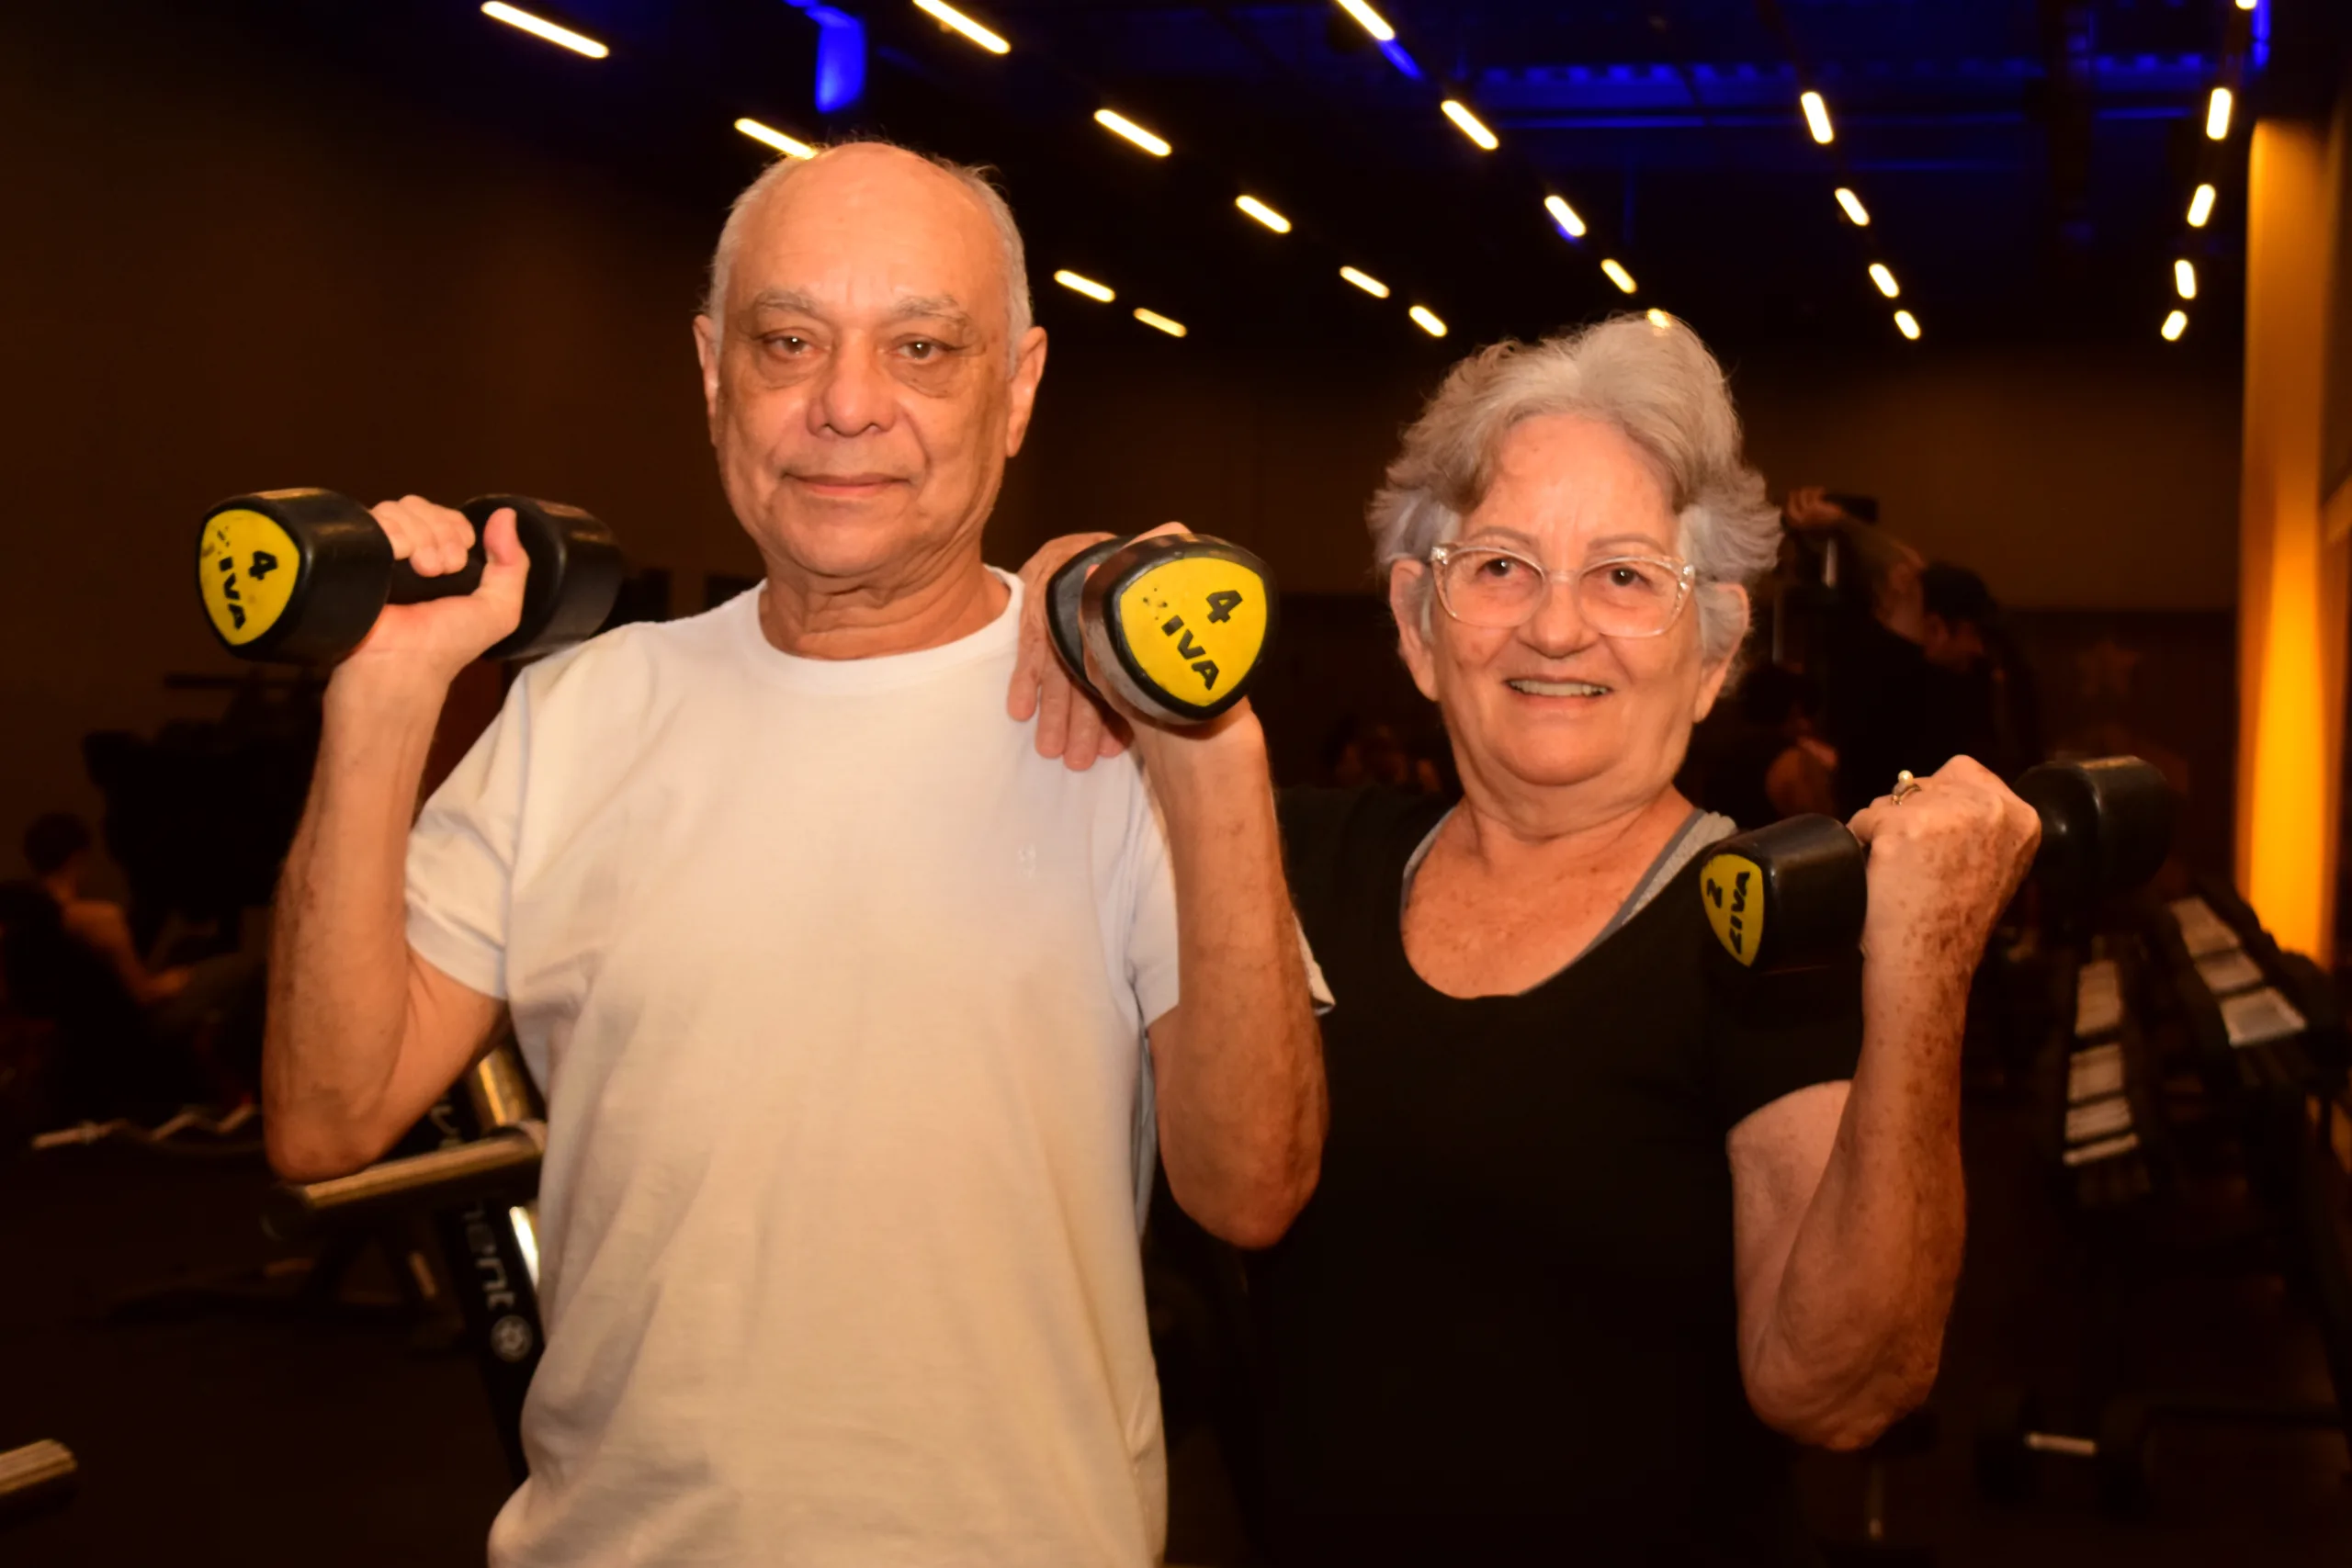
586	560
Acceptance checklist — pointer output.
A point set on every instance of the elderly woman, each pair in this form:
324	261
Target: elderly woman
1603	1218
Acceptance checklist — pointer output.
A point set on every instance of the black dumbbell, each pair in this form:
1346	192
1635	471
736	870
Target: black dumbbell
298	576
1792	895
1178	622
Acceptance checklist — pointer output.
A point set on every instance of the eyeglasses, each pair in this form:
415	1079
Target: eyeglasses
1487	585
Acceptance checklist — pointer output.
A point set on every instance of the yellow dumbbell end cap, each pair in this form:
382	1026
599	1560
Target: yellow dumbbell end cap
1732	889
246	566
1195	625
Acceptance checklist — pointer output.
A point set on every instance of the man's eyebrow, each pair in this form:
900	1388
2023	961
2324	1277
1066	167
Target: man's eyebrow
932	307
788	300
917	308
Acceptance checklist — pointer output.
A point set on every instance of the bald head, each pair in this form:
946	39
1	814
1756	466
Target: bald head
879	168
868	366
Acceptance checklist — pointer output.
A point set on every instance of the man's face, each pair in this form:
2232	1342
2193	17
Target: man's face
857	387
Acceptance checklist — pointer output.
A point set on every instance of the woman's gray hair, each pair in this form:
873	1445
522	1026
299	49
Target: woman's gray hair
977	183
1656	384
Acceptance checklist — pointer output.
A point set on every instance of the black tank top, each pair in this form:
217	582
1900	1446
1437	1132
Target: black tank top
1505	1324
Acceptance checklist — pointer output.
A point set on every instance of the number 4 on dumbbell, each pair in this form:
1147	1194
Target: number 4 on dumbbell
1178	622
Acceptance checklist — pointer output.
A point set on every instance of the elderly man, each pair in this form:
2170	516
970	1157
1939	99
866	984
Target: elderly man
837	989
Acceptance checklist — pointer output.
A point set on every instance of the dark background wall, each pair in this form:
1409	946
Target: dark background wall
236	266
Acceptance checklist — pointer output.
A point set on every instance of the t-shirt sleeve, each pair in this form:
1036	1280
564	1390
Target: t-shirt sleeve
461	855
1773	1034
1151	937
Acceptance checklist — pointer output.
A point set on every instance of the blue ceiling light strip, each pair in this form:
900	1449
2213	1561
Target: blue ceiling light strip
1400	59
2261	34
840	55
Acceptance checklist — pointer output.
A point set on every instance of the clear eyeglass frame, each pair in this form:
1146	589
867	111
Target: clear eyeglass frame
1608	623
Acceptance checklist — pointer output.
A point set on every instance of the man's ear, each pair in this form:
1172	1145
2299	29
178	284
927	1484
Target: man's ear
1408	590
707	352
1710	680
1028	369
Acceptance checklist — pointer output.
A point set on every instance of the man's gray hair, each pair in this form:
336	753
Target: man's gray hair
1656	384
976	184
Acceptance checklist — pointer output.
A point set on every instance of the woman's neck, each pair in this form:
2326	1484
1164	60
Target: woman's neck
1554	832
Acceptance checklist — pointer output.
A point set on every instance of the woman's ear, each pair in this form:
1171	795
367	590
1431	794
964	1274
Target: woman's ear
1734	602
1408	602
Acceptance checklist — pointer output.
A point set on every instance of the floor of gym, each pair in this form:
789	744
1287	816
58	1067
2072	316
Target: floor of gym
230	1436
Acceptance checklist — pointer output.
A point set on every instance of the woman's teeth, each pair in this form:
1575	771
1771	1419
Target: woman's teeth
1558	688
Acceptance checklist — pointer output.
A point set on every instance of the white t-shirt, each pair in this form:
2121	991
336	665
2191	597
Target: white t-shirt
837	992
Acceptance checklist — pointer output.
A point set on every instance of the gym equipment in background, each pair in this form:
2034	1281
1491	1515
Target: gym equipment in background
36	1479
476	1188
2192	1108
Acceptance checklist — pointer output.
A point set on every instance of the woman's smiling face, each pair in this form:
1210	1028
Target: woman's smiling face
1554	702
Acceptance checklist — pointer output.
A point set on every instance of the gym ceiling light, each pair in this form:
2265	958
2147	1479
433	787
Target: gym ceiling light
791	146
1617	274
1085	285
2217	114
1369	20
1120	125
1262	213
539	26
2184	277
1366	282
1816	118
948	16
1885	280
1470	124
2201	206
2175	324
1908	324
1854	207
1659	318
1154	319
1427	319
1564	216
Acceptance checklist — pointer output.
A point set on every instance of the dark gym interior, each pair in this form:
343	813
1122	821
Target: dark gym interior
411	247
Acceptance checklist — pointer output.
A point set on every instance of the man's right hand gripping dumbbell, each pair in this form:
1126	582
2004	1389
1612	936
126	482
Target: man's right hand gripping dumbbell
438	637
346	994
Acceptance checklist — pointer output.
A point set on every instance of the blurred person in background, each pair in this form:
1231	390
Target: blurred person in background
57	847
1767	758
1365	751
1918	663
166	1032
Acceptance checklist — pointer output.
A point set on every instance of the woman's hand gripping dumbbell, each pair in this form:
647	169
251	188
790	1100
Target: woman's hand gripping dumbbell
306	577
1168	627
1935	862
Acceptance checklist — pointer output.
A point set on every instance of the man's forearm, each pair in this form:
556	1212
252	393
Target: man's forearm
1857	1326
1240	1071
338	1003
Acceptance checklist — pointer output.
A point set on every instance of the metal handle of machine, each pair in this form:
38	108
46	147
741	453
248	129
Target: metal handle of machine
505	1165
37	1476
